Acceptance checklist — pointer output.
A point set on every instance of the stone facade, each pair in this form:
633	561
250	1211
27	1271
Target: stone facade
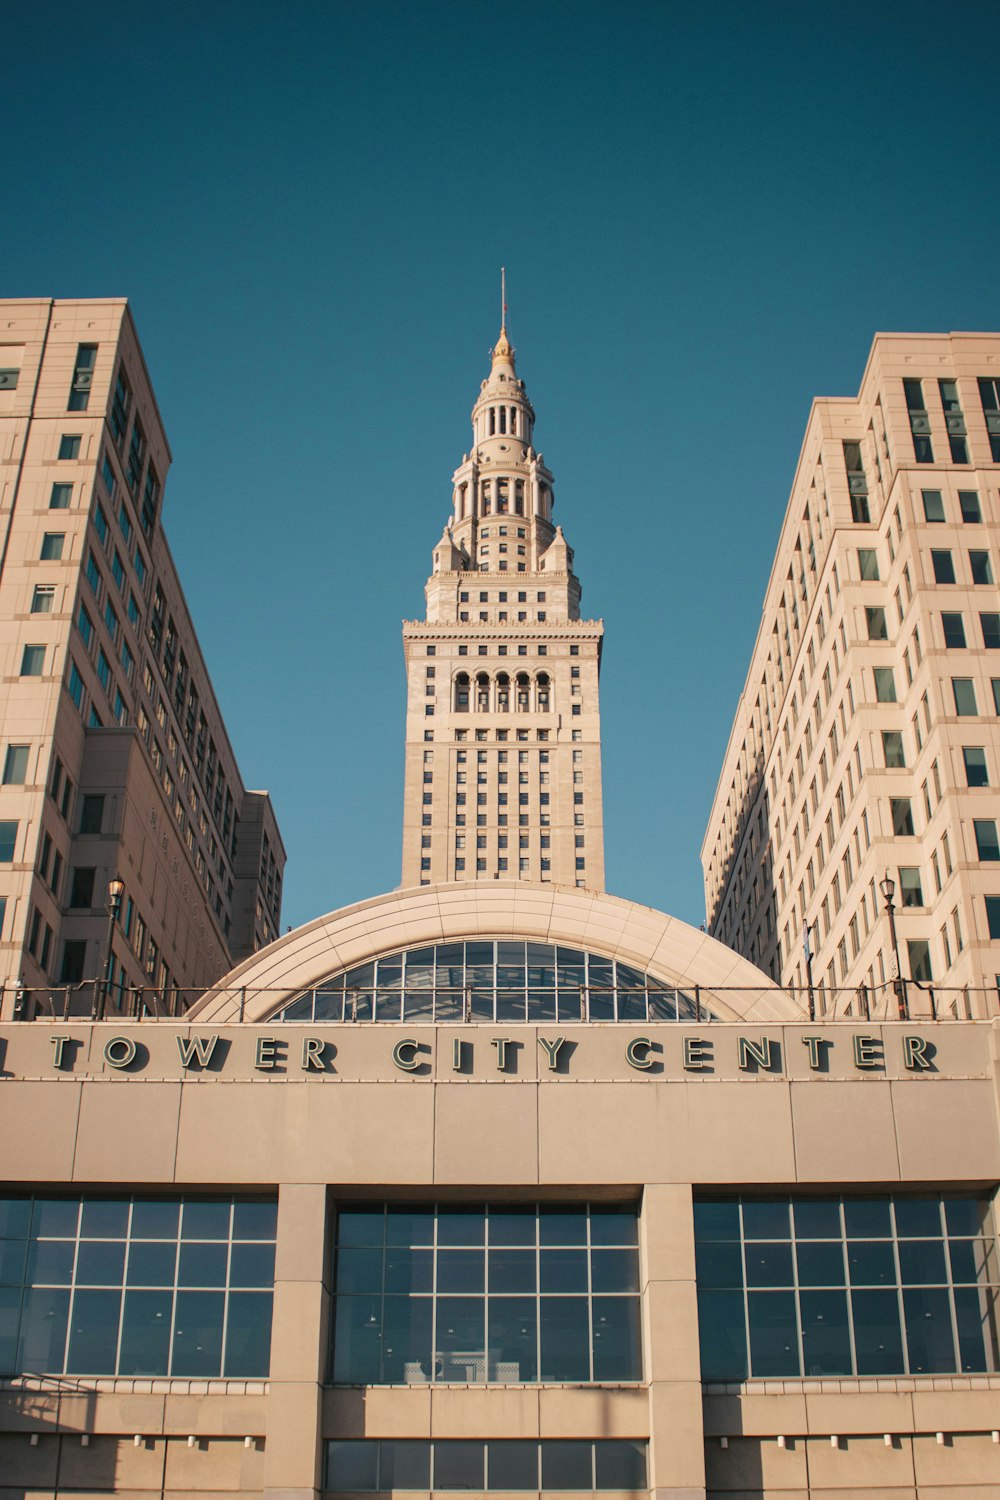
866	739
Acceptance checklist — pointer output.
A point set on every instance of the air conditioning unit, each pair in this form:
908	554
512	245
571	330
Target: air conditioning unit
8	379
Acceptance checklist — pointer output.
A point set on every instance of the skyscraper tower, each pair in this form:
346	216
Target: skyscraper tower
503	729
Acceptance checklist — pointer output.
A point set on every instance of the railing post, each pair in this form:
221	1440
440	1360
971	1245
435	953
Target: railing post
243	1002
697	1003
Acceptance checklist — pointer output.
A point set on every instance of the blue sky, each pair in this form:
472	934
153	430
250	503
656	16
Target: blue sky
706	213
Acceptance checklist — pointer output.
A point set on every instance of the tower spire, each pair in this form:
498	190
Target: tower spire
503	349
503	298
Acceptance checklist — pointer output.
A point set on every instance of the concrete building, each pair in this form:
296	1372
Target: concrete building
116	764
867	739
503	725
499	1186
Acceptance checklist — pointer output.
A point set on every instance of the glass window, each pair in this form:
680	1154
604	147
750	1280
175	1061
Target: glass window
472	1464
969	505
902	817
868	564
910	890
32	661
875	620
8	841
987	847
61	496
954	630
52	546
69	446
461	1295
976	772
104	1290
964	692
43	599
933	505
892	749
944	566
981	567
15	766
894	1300
885	685
990	624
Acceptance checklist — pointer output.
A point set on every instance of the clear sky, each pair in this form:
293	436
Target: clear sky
706	212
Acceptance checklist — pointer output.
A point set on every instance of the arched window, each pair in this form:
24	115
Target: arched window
503	419
484	497
503	491
519	497
462	693
503	693
482	693
513	420
523	693
543	692
493	420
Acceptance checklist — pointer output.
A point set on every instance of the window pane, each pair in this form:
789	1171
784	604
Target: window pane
826	1343
773	1333
878	1341
921	1262
42	1339
361	1226
512	1271
561	1226
976	1316
512	1465
929	1340
248	1335
717	1221
93	1333
404	1464
406	1343
460	1340
101	1263
769	1264
406	1270
766	1219
614	1270
205	1219
512	1226
461	1226
917	1218
614	1226
565	1338
513	1340
616	1339
563	1270
145	1346
152	1263
255	1220
817	1218
461	1271
459	1465
357	1341
567	1465
154	1221
197	1345
620	1466
722	1334
871	1263
719	1264
352	1465
820	1263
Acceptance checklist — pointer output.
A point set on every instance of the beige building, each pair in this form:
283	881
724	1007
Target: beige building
503	1186
116	764
503	725
866	741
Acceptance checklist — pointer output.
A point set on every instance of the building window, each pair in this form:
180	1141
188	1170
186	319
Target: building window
52	546
75	685
69	446
363	1465
902	817
868	564
976	773
892	749
885	685
987	847
968	502
875	620
981	567
919	955
920	426
83	377
43	599
784	1283
15	765
964	692
141	1286
954	630
60	497
954	421
8	842
993	916
933	505
91	812
910	890
943	565
511	1294
32	661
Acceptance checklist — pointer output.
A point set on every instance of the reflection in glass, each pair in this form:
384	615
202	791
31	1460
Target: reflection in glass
145	1347
512	1465
773	1333
565	1339
567	1465
459	1466
197	1346
826	1339
93	1332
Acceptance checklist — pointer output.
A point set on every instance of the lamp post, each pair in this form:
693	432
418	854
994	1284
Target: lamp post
888	888
807	950
115	889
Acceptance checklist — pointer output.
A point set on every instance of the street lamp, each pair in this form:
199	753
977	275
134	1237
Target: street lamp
888	888
115	889
809	971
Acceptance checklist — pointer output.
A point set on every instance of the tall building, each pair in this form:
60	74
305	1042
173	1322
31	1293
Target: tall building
867	740
503	726
499	1185
116	763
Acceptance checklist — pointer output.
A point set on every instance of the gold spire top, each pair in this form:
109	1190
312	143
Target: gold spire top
503	349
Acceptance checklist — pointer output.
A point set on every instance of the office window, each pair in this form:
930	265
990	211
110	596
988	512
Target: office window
875	621
981	567
918	953
885	685
108	476
32	661
132	609
91	812
93	573
868	564
43	598
976	773
954	420
920	426
75	685
103	670
164	1286
784	1282
964	692
968	502
8	841
101	524
993	916
118	570
902	817
52	546
83	375
511	1294
510	1464
987	848
943	565
910	890
60	497
989	395
85	626
15	765
81	891
954	629
933	505
892	749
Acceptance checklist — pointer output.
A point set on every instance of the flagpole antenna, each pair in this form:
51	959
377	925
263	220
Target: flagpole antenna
503	296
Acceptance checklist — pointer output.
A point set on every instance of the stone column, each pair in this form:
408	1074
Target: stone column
673	1365
293	1456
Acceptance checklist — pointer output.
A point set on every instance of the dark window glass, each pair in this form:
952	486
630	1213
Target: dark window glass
404	1464
722	1333
619	1466
773	1333
512	1465
565	1339
145	1346
929	1341
877	1337
197	1344
352	1465
93	1332
826	1340
567	1465
617	1350
459	1465
248	1334
944	567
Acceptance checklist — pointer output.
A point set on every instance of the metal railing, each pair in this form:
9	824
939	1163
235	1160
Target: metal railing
470	1005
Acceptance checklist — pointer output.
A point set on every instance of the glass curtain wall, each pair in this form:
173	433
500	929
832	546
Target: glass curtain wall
505	1464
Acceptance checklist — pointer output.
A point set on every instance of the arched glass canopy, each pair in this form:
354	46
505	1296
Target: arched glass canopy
493	979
